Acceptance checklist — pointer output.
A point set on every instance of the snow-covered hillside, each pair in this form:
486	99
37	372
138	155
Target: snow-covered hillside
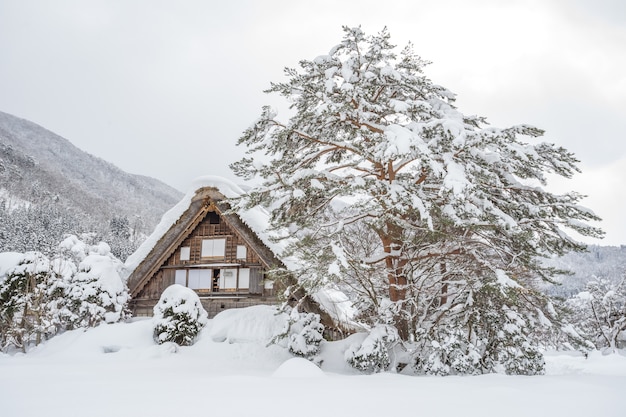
38	167
605	262
119	370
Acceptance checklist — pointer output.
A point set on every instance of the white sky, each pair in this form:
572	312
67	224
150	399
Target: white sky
165	89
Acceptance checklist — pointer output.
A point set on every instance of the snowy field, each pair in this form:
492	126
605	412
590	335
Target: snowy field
117	370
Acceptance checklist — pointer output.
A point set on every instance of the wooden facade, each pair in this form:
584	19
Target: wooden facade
210	251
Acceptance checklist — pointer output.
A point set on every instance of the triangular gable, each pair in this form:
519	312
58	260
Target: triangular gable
205	200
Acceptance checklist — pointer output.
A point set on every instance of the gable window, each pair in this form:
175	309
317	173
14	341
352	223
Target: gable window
214	218
184	253
213	248
242	252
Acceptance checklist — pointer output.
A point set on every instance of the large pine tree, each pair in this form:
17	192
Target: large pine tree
435	220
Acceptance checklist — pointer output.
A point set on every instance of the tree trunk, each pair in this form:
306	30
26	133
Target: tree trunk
397	284
444	287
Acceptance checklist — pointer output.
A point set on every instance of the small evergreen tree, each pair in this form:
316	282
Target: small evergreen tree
305	334
178	316
27	305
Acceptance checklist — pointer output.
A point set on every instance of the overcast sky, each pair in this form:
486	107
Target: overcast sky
165	88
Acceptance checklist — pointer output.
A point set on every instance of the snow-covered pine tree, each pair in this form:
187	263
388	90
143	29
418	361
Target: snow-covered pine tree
28	302
305	334
455	208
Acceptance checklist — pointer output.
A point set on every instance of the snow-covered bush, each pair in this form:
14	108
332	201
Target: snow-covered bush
80	286
305	334
178	316
504	328
449	353
301	333
490	332
373	354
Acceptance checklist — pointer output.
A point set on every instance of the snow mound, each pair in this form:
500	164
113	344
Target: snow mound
104	339
298	368
251	324
574	363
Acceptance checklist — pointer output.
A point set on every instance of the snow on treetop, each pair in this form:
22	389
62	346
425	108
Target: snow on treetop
104	269
182	300
8	261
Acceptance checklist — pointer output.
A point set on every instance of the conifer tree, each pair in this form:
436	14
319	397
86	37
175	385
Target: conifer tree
416	208
28	313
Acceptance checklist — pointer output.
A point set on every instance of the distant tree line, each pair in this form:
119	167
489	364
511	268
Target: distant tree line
39	227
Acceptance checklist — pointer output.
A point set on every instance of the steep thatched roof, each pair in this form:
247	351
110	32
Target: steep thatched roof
166	241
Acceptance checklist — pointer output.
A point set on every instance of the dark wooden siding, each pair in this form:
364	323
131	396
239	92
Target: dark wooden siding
209	228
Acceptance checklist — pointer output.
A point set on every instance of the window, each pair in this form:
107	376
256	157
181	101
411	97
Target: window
181	277
214	218
244	278
200	279
184	253
242	252
213	248
228	279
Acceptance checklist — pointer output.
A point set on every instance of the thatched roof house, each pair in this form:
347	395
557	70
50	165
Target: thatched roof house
199	244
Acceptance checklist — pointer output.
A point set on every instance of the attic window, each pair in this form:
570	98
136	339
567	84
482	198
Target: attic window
213	248
214	218
184	253
241	252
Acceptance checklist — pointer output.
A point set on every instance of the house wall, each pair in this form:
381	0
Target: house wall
214	297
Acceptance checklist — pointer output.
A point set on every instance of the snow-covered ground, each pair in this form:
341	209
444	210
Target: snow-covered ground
117	370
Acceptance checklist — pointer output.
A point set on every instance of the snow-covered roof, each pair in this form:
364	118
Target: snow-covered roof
257	219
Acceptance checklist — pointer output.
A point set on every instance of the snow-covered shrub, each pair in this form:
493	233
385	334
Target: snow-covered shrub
449	353
373	354
97	292
79	287
301	333
305	334
178	316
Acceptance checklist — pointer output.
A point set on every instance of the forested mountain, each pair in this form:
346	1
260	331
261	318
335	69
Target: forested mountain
49	187
598	262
